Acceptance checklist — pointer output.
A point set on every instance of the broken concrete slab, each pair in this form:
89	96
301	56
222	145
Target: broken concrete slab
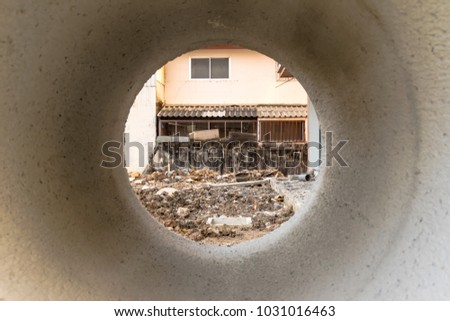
249	183
229	220
183	212
292	192
204	135
167	191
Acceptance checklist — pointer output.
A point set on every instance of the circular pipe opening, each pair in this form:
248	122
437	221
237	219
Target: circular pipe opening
211	140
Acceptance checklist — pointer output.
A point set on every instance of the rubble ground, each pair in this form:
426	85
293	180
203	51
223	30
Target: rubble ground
183	201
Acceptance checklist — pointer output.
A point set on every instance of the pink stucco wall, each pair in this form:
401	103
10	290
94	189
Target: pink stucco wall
253	80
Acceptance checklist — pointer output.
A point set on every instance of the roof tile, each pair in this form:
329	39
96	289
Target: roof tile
233	111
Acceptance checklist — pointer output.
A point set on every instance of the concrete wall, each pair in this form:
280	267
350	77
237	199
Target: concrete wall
378	75
140	128
253	80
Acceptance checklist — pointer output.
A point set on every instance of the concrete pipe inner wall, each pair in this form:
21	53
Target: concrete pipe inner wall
378	73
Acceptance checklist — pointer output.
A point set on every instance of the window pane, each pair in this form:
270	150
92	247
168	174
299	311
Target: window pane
199	68
233	127
219	68
277	131
220	127
291	131
183	128
201	126
168	128
271	131
249	127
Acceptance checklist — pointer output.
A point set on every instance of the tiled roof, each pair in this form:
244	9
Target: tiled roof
233	111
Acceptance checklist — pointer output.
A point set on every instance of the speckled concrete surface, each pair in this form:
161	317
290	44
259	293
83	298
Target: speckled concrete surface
378	74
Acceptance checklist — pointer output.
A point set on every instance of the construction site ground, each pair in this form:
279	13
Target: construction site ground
184	200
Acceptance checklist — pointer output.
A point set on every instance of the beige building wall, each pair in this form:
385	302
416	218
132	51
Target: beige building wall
160	83
253	80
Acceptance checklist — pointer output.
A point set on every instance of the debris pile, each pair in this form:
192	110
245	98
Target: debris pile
184	200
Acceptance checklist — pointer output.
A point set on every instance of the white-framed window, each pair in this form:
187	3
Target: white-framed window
209	68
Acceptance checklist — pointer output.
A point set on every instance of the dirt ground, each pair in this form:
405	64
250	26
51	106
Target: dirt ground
184	200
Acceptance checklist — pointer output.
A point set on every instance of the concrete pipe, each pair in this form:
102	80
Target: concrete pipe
301	177
378	73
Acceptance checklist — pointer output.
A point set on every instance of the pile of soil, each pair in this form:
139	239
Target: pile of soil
184	200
